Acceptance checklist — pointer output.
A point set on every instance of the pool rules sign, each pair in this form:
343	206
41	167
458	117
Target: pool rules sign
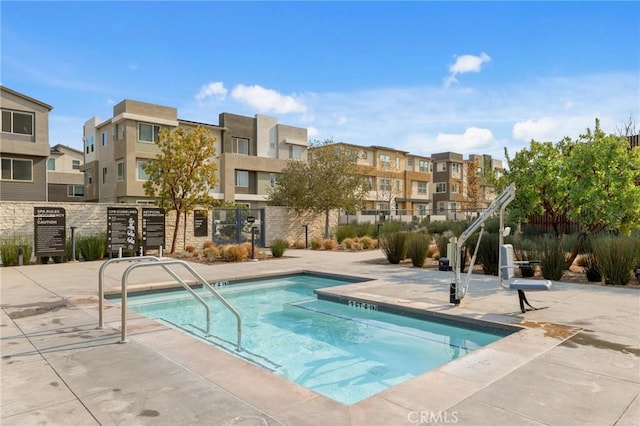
122	229
49	231
152	228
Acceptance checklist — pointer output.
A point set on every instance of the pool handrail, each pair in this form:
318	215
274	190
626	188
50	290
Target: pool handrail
164	264
101	280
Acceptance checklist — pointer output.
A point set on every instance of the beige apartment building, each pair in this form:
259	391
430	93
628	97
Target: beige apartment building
65	179
24	148
251	152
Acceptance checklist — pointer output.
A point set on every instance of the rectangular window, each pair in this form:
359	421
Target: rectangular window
120	171
17	169
385	184
442	167
453	207
148	132
397	184
142	175
454	188
385	161
441	207
425	166
272	180
422	209
364	155
441	187
370	183
75	164
397	163
75	190
120	130
455	167
295	152
410	163
104	138
104	175
422	187
384	208
240	145
17	122
51	164
89	177
242	178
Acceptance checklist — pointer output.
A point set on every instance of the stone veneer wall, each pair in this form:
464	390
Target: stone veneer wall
16	219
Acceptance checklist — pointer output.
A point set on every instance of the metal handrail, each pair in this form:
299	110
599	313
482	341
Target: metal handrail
230	308
101	280
164	263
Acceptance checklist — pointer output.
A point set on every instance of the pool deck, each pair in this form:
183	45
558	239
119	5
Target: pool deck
575	363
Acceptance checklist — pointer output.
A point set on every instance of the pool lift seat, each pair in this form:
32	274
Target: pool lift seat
508	280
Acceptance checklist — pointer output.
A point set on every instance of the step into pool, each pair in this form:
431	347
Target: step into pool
345	352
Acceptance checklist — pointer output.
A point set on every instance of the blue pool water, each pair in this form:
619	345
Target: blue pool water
343	352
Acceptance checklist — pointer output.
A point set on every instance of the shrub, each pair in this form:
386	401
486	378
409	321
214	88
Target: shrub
345	231
190	249
432	250
616	257
367	243
278	247
591	270
348	243
208	244
329	244
488	252
316	243
417	248
394	246
299	244
552	258
9	250
92	247
234	253
441	241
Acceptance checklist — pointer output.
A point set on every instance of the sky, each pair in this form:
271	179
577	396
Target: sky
423	77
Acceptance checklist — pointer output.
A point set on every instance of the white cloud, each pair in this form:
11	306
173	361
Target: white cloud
312	132
267	100
212	90
473	140
543	129
111	101
465	64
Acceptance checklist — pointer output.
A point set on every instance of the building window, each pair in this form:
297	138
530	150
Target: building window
455	167
272	180
397	163
142	174
441	207
397	184
104	138
385	184
120	130
17	169
410	163
51	164
422	209
385	161
240	145
422	187
442	167
425	166
295	152
364	155
75	190
454	188
242	178
75	164
120	174
453	207
17	122
148	132
384	208
441	187
104	175
89	177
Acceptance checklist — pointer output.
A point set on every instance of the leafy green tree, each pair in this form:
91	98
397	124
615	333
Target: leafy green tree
592	180
329	180
181	175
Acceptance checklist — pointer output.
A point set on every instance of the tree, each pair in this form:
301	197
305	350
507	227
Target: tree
472	203
181	175
328	181
591	180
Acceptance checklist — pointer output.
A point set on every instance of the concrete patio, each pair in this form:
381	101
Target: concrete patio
575	363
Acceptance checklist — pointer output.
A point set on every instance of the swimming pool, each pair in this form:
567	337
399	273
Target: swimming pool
346	352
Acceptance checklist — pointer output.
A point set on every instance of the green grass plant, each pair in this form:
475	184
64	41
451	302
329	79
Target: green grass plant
278	247
9	250
394	246
417	248
616	257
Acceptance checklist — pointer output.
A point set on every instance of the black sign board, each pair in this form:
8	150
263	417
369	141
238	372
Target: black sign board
251	219
152	228
200	223
49	231
122	228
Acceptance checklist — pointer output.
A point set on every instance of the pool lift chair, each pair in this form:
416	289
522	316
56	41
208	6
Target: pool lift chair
455	248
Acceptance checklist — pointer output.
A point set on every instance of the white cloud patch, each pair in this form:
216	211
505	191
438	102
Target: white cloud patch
465	64
543	129
212	90
267	100
473	140
312	132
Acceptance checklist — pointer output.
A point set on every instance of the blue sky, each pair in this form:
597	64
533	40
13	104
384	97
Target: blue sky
470	77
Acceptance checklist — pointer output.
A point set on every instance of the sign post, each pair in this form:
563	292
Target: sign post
122	229
153	228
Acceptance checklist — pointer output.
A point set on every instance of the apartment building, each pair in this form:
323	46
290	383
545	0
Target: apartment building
25	147
460	187
251	152
64	177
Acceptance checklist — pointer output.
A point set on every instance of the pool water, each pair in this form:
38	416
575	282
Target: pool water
343	352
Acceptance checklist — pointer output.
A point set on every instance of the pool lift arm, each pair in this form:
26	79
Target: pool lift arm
458	290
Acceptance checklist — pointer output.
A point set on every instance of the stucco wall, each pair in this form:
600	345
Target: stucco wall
16	218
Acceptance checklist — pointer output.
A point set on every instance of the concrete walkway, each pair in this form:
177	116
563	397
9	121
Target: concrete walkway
575	363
